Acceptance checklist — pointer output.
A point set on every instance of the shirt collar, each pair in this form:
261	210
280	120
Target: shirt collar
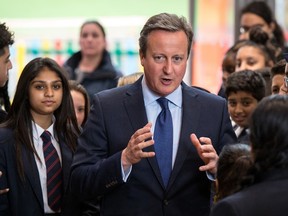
149	96
37	130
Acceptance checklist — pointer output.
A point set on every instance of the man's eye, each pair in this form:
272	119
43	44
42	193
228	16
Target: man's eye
177	59
159	58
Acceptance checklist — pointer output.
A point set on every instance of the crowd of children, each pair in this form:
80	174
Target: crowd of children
49	112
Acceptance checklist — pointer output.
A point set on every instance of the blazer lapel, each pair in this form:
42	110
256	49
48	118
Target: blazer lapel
67	157
32	174
134	104
190	119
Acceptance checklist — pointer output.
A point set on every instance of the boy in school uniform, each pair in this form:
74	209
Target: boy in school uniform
244	90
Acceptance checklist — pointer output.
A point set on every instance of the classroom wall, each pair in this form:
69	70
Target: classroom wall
90	8
51	28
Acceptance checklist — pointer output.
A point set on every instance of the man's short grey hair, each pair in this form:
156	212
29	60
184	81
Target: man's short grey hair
167	22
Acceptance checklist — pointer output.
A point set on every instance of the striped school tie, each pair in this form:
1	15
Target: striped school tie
54	173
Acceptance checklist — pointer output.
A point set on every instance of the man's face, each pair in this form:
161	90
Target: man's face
165	60
5	66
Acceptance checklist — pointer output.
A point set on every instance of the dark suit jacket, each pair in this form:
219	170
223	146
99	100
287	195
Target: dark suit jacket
25	198
116	114
268	196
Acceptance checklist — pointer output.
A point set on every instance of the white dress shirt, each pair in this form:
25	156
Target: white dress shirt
153	109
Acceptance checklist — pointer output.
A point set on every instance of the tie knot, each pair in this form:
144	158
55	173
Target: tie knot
46	135
163	102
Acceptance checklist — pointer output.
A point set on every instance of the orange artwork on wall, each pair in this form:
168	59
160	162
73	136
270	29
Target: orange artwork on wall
213	35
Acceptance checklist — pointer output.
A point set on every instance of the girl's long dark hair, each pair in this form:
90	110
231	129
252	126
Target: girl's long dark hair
268	136
19	117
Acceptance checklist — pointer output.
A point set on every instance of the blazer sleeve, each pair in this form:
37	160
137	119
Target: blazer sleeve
4	201
94	170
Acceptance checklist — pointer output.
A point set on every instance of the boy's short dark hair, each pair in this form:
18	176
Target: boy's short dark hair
6	37
247	81
278	68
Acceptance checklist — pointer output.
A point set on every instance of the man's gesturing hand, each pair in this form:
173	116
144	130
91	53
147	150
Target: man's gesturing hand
133	152
206	152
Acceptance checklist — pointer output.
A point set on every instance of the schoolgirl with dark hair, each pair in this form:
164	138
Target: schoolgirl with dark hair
41	118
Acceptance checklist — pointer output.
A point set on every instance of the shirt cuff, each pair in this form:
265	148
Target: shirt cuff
125	174
210	176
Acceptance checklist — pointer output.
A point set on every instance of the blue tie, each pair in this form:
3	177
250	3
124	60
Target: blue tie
54	172
163	137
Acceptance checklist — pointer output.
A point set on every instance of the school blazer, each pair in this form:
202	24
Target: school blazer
26	198
115	115
266	197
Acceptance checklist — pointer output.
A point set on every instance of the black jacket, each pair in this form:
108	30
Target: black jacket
105	76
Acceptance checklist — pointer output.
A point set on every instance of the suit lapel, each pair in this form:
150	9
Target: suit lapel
32	174
191	109
135	107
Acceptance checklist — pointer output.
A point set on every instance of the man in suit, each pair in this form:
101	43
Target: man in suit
116	159
6	39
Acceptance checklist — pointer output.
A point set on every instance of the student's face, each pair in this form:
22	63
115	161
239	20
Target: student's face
79	106
249	20
225	76
240	106
5	66
92	41
250	58
277	82
45	94
165	60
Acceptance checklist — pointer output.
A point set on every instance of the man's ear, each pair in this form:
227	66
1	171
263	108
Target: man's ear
142	57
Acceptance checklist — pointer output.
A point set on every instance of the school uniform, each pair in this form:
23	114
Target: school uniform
29	196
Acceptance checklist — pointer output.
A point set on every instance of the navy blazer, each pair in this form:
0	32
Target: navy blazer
25	198
115	115
268	196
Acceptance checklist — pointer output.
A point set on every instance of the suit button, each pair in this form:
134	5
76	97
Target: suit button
165	202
